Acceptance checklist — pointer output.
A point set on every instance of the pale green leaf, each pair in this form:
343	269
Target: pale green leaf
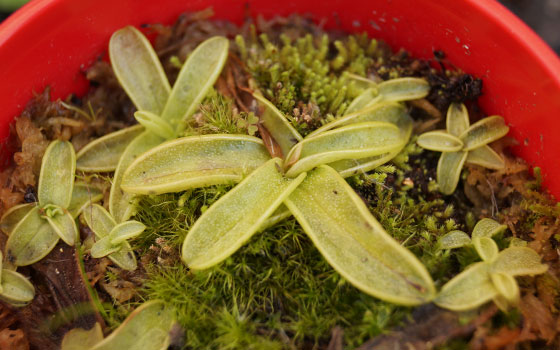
457	119
65	227
518	261
449	170
16	289
146	328
194	161
350	167
486	248
487	228
454	239
99	220
103	247
56	180
501	302
124	257
31	240
155	124
277	125
139	70
196	78
367	98
403	89
468	290
82	196
354	243
125	231
103	154
353	141
390	112
440	141
507	286
235	217
80	339
13	216
121	204
361	82
517	242
485	156
483	132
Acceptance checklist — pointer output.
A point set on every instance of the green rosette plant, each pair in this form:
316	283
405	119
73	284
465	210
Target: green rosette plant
162	111
35	228
303	183
462	142
491	279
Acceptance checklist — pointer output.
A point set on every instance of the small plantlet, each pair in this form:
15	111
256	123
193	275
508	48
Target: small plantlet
462	142
147	328
111	238
15	289
491	279
40	226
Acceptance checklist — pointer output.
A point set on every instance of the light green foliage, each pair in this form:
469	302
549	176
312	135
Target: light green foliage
15	289
355	244
146	328
80	339
34	230
462	143
235	217
103	154
491	279
13	216
155	124
111	238
301	71
194	161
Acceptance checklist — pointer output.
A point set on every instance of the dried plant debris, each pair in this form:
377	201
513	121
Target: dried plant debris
272	186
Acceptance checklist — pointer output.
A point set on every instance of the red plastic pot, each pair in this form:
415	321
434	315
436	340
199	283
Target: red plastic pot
50	42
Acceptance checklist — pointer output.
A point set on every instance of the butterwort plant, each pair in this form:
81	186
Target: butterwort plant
462	142
34	229
303	177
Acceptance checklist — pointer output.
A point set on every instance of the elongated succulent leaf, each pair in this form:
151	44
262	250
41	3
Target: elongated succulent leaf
99	220
485	156
457	119
138	69
236	216
277	125
468	290
82	196
486	248
124	257
194	161
13	216
80	339
354	141
155	124
197	76
449	170
65	227
56	180
361	82
121	204
518	261
31	240
125	231
483	132
507	286
354	243
146	328
487	228
403	89
440	141
367	98
103	154
16	289
350	167
390	112
454	239
279	215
